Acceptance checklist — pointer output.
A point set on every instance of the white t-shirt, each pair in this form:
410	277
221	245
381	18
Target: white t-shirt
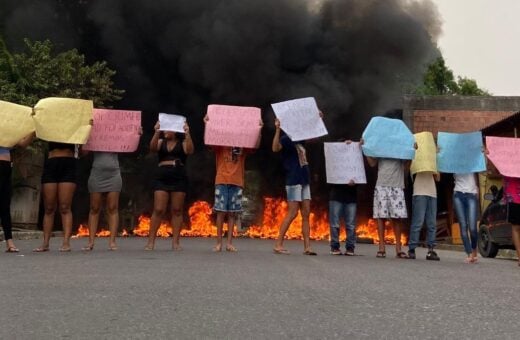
465	183
424	185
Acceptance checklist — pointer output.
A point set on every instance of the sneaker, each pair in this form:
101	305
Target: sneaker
432	255
335	252
411	254
350	252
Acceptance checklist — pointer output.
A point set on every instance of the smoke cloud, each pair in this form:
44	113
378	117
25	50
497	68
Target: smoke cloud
356	57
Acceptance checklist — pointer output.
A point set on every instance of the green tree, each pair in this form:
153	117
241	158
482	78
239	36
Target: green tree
439	80
40	72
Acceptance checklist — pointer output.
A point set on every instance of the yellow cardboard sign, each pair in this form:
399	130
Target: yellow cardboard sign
425	155
16	123
63	120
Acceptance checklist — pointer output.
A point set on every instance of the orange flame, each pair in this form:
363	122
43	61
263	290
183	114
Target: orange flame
275	209
84	232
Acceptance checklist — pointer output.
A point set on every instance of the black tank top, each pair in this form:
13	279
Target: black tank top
176	153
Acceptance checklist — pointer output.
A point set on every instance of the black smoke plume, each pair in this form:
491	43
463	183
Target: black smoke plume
356	57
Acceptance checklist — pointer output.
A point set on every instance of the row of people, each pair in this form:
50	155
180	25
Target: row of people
170	187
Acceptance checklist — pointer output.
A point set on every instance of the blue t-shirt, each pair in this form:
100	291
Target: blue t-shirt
294	162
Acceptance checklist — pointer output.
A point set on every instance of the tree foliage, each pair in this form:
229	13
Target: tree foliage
40	72
439	80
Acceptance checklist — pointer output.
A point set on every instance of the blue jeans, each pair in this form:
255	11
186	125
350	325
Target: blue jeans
423	208
347	212
465	205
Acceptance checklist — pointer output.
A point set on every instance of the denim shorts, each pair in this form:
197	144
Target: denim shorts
298	193
228	198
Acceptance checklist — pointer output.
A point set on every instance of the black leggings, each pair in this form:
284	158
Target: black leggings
5	198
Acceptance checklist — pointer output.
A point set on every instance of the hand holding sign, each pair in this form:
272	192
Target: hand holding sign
300	119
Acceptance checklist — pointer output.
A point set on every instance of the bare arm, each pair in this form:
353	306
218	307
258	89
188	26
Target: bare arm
154	143
187	145
276	139
437	176
371	161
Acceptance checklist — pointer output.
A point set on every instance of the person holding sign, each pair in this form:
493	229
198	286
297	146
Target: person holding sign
6	191
465	203
171	180
297	180
229	184
342	205
59	184
389	200
424	208
512	194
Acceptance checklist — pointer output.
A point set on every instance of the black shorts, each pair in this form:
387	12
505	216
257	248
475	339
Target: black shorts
59	170
170	178
513	213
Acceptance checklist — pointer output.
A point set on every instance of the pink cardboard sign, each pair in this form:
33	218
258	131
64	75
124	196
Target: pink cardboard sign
505	155
237	126
114	131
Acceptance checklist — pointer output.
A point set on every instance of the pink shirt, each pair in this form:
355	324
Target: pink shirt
512	189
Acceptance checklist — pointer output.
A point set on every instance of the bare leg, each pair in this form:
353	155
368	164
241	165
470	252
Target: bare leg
306	227
292	211
396	224
65	195
381	233
93	218
113	218
219	222
177	208
50	196
516	240
160	201
231	229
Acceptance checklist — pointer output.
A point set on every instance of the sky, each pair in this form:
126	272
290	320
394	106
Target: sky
481	40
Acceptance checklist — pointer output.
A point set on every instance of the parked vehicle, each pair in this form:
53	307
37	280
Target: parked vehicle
494	231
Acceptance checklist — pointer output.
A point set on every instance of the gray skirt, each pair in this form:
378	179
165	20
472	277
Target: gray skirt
105	180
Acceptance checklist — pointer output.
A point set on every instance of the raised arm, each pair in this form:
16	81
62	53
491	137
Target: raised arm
187	145
277	146
154	143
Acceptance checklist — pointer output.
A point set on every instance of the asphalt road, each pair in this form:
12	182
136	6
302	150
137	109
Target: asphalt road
252	294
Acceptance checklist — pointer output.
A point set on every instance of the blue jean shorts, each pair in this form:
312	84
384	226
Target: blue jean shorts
298	193
228	198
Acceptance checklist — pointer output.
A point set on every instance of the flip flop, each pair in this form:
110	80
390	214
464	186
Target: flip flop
309	252
87	248
381	254
65	249
113	248
40	249
12	249
217	248
401	255
148	248
281	251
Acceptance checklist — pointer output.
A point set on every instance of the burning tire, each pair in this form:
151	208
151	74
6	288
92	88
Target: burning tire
486	247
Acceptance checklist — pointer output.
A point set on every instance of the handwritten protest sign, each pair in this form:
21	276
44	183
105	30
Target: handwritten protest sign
388	138
505	155
16	123
460	153
300	119
114	131
63	120
170	122
343	163
426	153
237	126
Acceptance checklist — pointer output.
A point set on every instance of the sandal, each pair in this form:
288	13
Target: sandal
148	247
12	249
217	248
401	255
231	248
41	249
64	249
309	252
381	254
281	251
113	248
88	247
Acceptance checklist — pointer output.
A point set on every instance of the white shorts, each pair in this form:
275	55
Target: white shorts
389	202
